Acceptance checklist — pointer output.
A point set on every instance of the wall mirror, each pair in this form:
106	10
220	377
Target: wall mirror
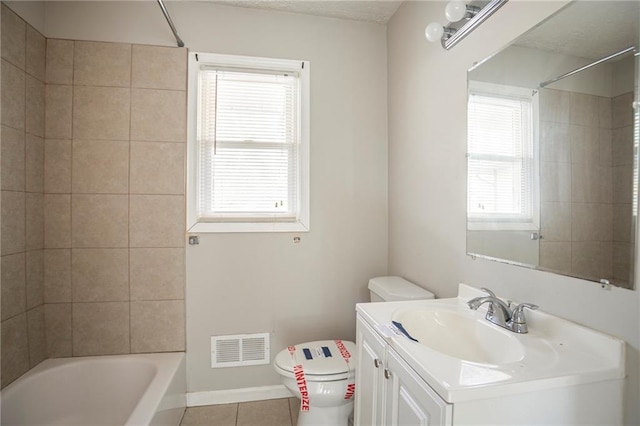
552	147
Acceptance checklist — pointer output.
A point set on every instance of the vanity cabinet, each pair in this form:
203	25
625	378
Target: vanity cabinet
388	391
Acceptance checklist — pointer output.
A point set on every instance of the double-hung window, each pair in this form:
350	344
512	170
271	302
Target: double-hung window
249	144
502	158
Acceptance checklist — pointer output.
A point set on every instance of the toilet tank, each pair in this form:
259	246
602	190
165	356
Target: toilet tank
389	289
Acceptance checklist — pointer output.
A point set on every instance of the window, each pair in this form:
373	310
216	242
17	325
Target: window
502	164
248	168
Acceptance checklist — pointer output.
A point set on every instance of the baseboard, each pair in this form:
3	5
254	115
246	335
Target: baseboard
231	396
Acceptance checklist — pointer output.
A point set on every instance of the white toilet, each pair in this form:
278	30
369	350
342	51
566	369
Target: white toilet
321	374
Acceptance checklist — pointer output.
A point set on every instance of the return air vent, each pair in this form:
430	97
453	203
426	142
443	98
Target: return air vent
239	350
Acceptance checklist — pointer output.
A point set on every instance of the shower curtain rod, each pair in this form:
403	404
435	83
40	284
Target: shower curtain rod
592	64
170	22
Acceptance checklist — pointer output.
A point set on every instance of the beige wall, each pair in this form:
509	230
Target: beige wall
247	283
23	89
114	198
427	163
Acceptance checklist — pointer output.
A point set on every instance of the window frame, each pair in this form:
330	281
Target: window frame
301	223
497	222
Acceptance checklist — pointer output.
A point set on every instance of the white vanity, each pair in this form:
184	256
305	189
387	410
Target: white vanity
465	370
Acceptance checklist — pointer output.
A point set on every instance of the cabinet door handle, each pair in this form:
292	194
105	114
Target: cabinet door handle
376	362
387	373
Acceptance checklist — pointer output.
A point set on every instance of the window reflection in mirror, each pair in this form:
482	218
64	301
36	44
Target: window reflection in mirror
552	167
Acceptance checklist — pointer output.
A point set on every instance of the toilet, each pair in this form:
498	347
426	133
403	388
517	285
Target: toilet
321	373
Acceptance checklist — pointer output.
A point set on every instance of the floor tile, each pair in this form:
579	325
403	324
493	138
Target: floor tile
274	412
211	415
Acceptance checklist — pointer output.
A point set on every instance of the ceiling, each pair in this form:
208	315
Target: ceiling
378	11
588	29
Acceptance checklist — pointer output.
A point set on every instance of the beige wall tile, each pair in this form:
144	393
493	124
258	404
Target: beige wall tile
591	222
34	115
57	322
101	113
157	168
554	142
158	115
100	275
604	112
102	64
218	415
584	110
556	256
100	167
554	106
57	221
15	348
34	163
592	259
58	111
591	184
622	141
12	222
100	221
157	221
622	112
157	326
269	412
155	67
100	328
35	330
12	96
555	221
622	184
13	37
13	285
622	222
57	275
57	166
35	221
35	53
621	264
35	278
59	61
12	158
157	273
585	145
555	181
606	147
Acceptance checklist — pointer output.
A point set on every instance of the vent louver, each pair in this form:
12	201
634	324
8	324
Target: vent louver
239	350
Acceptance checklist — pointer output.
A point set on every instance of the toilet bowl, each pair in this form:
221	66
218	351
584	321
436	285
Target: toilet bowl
321	374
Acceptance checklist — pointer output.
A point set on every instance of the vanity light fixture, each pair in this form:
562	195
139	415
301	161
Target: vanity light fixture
471	15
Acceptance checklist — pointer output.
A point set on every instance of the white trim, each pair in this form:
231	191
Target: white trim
303	68
232	396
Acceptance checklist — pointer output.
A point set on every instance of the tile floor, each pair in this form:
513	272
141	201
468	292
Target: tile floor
274	412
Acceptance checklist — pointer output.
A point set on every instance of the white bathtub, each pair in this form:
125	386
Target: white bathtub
146	389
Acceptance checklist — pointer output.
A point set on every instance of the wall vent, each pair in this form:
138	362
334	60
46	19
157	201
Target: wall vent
239	350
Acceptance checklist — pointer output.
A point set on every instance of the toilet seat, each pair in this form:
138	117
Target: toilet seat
322	360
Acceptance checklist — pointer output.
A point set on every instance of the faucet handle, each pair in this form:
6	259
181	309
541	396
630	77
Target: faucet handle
518	313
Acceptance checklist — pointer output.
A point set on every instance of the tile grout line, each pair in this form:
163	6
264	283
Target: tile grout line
129	199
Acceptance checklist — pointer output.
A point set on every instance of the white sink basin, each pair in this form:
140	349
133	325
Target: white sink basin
463	336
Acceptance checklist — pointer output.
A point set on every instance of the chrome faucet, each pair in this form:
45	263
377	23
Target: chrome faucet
500	313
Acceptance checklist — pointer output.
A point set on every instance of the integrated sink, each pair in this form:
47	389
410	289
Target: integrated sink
462	335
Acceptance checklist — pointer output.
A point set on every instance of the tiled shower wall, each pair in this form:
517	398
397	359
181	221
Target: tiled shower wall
114	198
22	118
93	153
586	166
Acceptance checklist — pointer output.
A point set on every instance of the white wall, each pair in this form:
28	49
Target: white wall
427	168
249	283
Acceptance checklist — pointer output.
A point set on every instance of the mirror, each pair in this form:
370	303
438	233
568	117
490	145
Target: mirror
552	152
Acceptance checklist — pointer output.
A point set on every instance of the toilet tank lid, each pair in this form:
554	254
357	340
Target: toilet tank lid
397	288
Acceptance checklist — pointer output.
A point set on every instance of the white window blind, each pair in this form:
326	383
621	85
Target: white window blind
501	161
248	140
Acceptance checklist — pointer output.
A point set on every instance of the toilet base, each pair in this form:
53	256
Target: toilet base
325	416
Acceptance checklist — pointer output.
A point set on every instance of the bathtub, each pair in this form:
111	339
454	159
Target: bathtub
145	389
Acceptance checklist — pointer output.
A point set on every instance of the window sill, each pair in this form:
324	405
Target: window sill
233	227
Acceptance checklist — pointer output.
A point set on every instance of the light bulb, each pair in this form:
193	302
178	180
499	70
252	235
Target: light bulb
455	10
434	31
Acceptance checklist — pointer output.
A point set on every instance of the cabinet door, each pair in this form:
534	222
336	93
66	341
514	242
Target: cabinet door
369	376
409	400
